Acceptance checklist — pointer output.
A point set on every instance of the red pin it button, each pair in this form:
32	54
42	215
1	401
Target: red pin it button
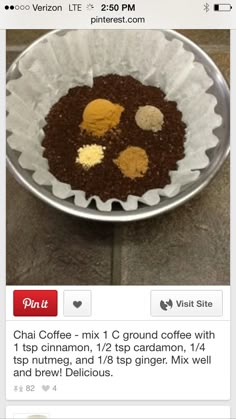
35	303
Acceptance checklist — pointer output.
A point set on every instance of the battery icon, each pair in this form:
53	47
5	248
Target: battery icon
222	7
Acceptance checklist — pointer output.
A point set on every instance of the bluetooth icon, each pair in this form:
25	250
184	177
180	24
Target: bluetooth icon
206	7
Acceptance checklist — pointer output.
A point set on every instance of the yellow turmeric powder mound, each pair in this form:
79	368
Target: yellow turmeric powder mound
133	162
100	116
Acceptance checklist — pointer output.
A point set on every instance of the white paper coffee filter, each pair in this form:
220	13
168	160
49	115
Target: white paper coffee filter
62	61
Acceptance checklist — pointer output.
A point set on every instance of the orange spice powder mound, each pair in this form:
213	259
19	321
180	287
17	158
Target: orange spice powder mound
101	115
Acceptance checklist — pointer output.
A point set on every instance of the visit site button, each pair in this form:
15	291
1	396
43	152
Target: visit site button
35	303
186	303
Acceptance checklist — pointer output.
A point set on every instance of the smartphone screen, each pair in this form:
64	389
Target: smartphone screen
116	277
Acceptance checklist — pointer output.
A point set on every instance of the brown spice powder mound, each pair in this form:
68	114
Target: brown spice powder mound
133	162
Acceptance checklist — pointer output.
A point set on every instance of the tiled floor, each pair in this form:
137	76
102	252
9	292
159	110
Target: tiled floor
187	246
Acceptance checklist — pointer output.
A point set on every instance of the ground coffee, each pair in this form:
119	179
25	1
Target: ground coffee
63	137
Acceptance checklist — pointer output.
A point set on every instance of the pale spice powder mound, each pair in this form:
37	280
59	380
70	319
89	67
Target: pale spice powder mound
133	162
90	155
149	118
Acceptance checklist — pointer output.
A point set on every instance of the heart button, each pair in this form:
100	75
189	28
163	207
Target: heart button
77	304
45	388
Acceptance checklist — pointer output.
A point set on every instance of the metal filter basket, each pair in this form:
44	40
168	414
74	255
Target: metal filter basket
216	155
